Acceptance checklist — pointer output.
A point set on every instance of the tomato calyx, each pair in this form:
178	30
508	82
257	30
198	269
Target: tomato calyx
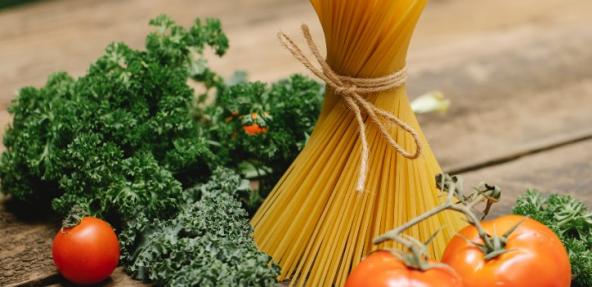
492	246
416	257
74	217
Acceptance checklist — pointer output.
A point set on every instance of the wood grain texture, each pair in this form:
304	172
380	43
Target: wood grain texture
118	278
502	63
514	99
518	73
25	245
565	170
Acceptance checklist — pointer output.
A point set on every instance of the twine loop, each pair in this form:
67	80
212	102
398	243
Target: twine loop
346	89
351	90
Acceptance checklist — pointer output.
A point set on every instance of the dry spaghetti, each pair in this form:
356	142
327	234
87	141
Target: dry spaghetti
351	88
315	223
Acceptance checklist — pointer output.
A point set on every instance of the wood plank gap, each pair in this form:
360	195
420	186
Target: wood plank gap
43	281
521	153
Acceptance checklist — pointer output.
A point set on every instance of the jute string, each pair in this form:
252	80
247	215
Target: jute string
351	90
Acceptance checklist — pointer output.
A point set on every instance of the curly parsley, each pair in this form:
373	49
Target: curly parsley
571	220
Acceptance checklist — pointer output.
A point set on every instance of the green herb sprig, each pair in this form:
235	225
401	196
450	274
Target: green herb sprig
571	220
207	244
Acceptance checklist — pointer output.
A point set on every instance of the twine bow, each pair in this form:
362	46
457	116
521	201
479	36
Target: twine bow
351	90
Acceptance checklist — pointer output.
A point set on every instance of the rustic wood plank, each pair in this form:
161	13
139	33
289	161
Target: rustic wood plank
503	63
50	36
25	244
118	278
492	59
530	94
75	38
564	170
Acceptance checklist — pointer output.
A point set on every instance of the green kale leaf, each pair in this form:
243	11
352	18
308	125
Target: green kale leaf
207	244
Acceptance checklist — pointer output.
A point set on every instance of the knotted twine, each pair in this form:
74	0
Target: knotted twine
351	90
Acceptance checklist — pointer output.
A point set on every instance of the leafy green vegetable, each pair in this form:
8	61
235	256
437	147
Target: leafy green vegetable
114	139
571	220
87	141
127	140
207	244
288	108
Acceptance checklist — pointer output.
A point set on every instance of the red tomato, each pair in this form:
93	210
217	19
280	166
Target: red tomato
87	253
536	256
382	269
254	130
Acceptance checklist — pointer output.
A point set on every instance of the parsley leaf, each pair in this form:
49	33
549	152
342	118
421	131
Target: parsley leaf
571	220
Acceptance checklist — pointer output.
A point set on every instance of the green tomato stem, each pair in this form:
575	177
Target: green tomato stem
492	245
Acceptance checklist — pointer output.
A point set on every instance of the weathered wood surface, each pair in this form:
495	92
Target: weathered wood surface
118	278
519	74
531	93
526	54
566	170
25	245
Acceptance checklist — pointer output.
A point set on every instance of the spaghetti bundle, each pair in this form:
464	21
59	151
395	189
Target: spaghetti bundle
320	219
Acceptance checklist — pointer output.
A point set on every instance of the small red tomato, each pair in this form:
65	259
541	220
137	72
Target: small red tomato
254	129
86	253
382	269
534	257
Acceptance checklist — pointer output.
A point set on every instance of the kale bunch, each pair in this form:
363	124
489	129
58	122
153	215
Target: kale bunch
572	222
207	244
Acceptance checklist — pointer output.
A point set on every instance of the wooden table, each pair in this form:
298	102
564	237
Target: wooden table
519	74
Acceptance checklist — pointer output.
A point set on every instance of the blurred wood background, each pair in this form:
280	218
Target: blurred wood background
519	74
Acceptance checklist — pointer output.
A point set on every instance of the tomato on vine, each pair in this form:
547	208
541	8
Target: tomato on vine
383	269
528	254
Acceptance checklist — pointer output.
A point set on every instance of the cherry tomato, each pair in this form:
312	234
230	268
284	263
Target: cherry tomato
86	253
535	256
254	129
382	269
